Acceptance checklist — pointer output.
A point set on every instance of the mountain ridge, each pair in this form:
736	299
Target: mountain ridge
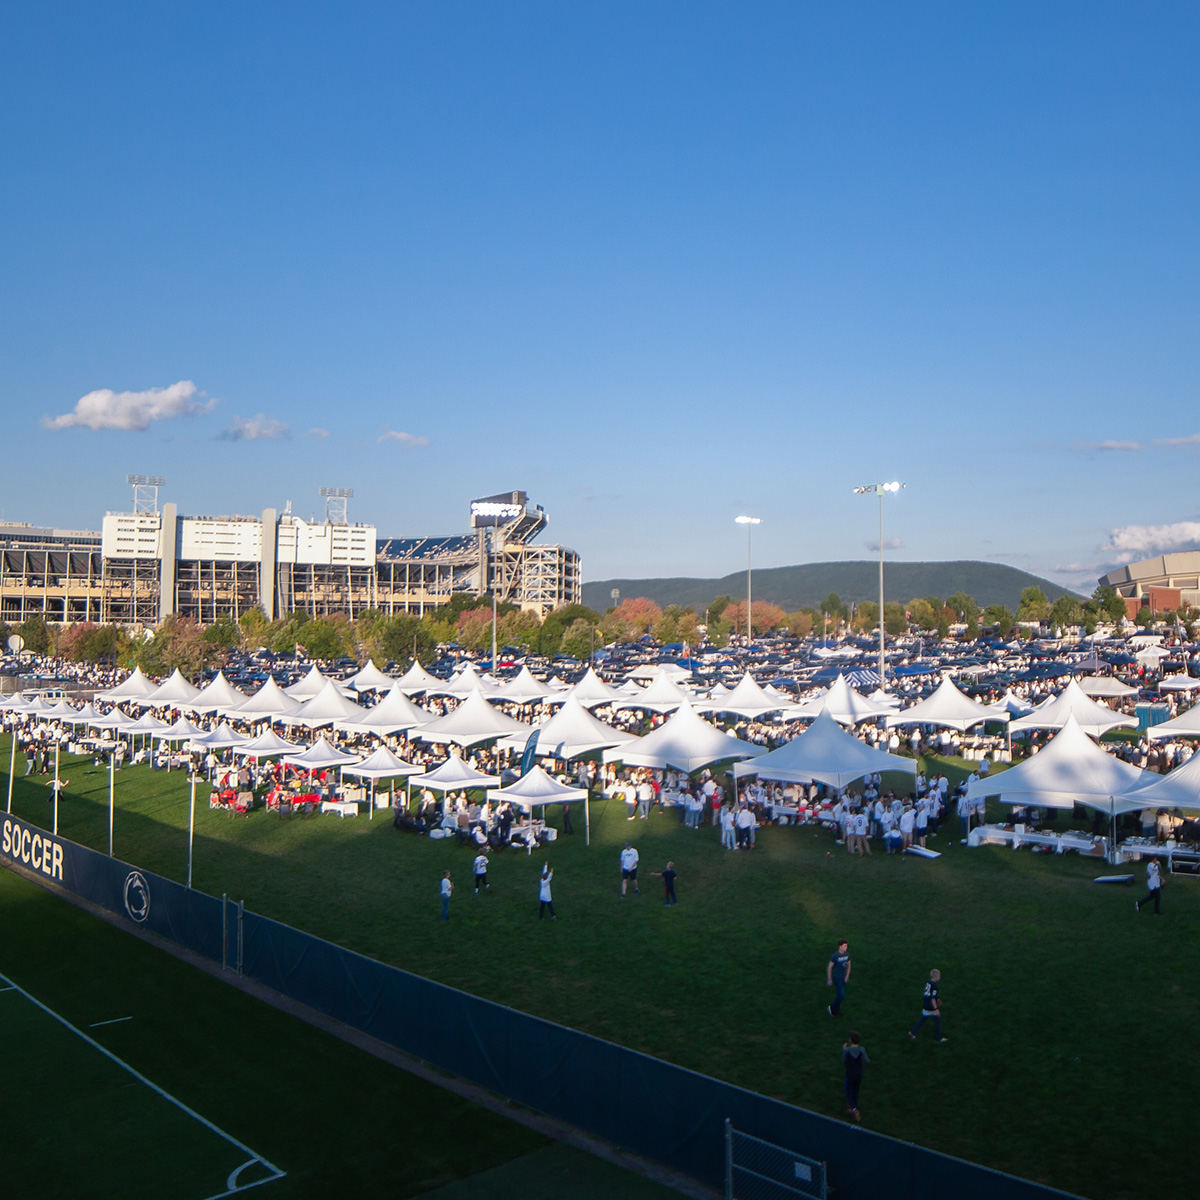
807	584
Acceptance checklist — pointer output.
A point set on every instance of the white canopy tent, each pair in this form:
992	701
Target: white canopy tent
1179	789
383	764
947	708
221	738
685	742
1105	685
270	701
662	695
1010	705
370	679
267	745
320	756
592	692
330	704
1178	683
395	712
218	695
1186	725
525	689
135	687
416	679
842	702
175	692
473	721
573	732
309	686
747	699
652	671
536	789
824	752
454	775
1090	715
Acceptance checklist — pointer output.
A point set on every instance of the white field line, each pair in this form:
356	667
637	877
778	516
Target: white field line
276	1173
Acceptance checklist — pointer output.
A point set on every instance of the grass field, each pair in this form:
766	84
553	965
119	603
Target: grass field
128	1072
1067	1013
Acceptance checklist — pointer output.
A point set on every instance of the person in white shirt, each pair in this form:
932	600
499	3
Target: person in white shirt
629	867
745	824
863	845
545	900
907	821
447	888
481	880
728	836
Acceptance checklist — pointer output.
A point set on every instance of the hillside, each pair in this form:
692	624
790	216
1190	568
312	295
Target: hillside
807	585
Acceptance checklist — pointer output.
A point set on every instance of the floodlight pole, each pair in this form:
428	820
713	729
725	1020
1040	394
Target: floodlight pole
877	489
749	523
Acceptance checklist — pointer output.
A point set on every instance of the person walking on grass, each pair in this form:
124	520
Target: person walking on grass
545	900
481	866
629	866
837	975
854	1059
667	874
1154	882
447	888
931	1009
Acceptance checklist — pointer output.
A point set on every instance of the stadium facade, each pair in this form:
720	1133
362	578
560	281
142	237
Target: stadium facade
144	565
1159	584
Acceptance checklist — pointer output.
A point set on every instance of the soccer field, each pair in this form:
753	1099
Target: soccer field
129	1073
1057	994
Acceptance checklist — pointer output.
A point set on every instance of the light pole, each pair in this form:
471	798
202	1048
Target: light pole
878	489
749	523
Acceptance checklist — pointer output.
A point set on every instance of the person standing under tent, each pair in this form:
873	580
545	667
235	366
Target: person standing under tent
1154	882
545	900
629	869
854	1058
447	889
837	975
931	1009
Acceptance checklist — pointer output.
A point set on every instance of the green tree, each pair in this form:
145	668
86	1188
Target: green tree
579	639
1066	610
966	611
36	633
833	607
895	621
1144	618
866	615
224	633
254	626
1033	606
922	614
1000	618
717	608
398	639
326	637
1110	606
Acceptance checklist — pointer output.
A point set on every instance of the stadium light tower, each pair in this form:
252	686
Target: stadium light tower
335	504
145	491
749	523
878	489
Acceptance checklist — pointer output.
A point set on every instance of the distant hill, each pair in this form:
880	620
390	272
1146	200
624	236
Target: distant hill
807	585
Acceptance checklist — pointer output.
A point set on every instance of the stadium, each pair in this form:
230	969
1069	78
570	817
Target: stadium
151	562
1159	584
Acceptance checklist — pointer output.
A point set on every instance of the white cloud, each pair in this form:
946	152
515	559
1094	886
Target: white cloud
259	428
406	440
892	543
1090	447
1180	443
319	434
1131	542
132	411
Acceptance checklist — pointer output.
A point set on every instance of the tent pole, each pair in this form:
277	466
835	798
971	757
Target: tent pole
587	818
112	787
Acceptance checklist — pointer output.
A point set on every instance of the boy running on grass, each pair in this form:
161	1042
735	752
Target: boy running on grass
931	1009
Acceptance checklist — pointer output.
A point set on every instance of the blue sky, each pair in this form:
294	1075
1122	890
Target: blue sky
657	264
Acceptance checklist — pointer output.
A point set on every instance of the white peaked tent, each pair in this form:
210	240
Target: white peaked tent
886	699
1070	769
85	716
454	775
13	703
668	670
176	691
62	711
370	679
1105	685
147	723
1187	725
662	695
524	689
592	692
467	681
267	745
824	752
1179	789
114	719
383	764
181	731
1010	705
684	742
947	708
392	714
573	732
134	688
536	789
270	701
1090	715
218	695
221	738
747	699
1178	683
473	721
417	679
327	706
842	702
320	756
309	686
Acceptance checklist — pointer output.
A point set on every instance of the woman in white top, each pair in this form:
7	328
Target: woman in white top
545	901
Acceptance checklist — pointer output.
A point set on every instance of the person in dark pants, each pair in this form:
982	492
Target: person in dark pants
931	1009
446	889
1154	881
667	875
545	901
568	828
854	1058
837	975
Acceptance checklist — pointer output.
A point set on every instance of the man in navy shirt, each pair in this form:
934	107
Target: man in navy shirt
837	975
931	1009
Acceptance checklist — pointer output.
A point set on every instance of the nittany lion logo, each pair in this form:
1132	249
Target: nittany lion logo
137	896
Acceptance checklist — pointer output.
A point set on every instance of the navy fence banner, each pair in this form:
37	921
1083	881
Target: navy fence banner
188	918
668	1114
